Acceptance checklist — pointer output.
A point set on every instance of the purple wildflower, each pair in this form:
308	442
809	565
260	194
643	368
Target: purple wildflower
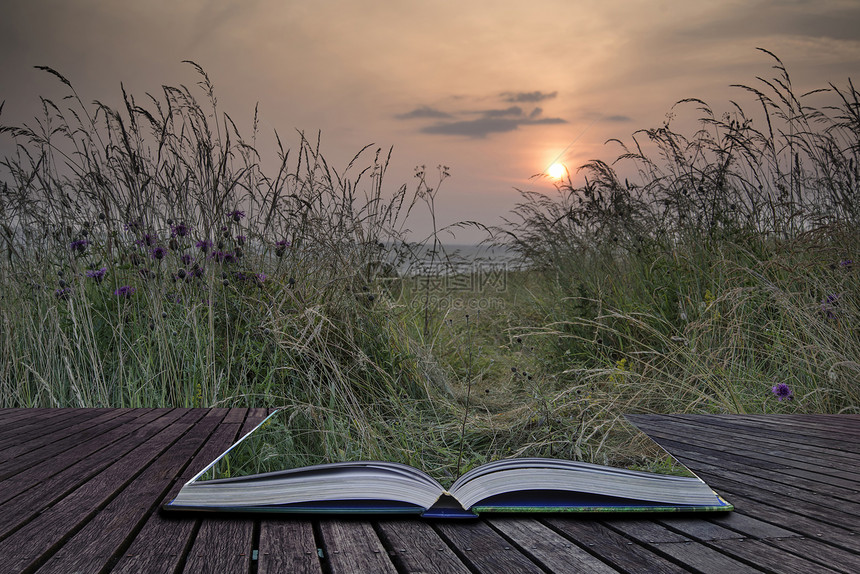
186	259
261	278
204	245
79	245
240	239
125	291
281	246
97	274
180	230
236	215
829	304
218	256
782	392
846	263
158	253
63	294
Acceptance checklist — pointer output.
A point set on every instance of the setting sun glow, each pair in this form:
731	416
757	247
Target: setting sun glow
557	171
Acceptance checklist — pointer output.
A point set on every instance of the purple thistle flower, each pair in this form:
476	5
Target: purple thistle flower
261	278
281	246
125	291
148	240
63	294
180	230
236	215
846	263
79	245
158	253
218	256
782	392
240	239
829	304
204	245
97	274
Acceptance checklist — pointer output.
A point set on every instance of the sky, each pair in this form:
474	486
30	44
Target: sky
494	89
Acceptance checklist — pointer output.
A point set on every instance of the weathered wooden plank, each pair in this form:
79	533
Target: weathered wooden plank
288	546
30	453
162	543
96	544
352	547
38	436
807	500
766	556
14	418
32	427
815	450
484	549
748	526
549	549
796	523
842	429
679	447
691	554
766	436
626	555
30	497
111	431
819	552
815	480
832	487
416	547
751	445
40	538
232	539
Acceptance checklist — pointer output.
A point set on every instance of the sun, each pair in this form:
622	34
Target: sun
557	171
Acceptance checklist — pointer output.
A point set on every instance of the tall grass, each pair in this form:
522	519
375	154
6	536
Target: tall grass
149	259
698	272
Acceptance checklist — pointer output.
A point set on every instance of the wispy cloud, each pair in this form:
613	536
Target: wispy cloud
482	127
514	111
423	112
489	120
527	97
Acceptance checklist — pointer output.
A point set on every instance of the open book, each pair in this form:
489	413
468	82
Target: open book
244	480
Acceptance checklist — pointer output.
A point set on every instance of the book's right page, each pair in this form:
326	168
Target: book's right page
636	475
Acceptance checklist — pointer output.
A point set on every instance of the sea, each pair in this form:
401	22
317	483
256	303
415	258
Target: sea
458	259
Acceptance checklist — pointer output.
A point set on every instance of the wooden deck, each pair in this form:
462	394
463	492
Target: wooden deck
80	491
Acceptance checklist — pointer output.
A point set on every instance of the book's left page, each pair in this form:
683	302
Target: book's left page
286	465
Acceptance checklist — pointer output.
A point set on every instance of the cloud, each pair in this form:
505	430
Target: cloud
616	119
423	112
511	111
527	97
482	127
489	120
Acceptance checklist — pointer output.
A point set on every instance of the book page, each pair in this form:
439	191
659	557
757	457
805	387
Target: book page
296	438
